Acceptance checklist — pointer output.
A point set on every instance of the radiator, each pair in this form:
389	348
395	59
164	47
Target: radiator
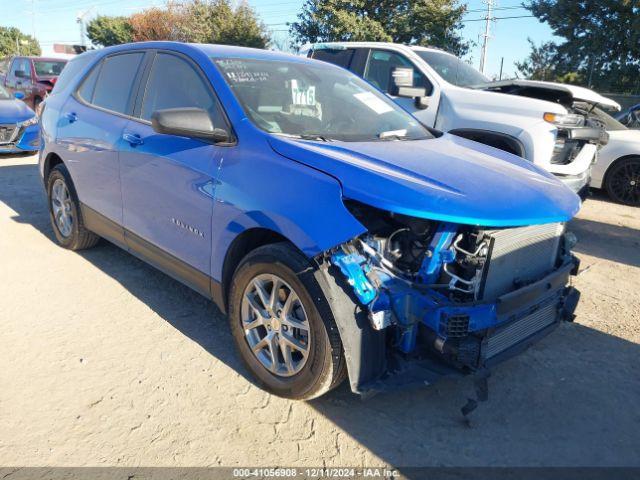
521	329
518	256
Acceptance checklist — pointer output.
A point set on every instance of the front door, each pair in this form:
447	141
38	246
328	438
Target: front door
168	181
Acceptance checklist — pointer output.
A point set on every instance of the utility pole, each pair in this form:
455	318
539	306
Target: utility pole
486	35
80	19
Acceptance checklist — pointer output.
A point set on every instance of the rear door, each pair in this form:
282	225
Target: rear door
90	131
168	181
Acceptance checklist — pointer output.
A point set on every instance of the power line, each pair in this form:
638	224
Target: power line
497	18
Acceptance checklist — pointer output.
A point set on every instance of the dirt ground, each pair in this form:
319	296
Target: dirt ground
106	361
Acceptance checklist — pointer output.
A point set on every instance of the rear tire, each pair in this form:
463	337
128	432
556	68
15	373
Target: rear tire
308	324
623	181
64	212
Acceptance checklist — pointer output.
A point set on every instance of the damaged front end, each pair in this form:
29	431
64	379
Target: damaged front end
449	299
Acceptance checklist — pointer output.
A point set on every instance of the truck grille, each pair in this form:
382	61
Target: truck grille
520	330
518	256
7	133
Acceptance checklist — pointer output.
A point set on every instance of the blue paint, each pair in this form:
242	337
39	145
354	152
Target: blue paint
355	267
14	112
438	253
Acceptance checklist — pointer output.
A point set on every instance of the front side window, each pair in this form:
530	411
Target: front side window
115	83
316	101
174	83
21	65
452	69
50	68
380	67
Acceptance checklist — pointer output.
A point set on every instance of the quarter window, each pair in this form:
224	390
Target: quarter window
175	83
381	64
114	84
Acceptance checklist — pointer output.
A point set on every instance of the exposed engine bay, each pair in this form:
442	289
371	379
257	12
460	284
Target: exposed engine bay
462	293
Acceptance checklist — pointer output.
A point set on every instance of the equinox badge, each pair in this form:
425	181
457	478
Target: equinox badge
189	228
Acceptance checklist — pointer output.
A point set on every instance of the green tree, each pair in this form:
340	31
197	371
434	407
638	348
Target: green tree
600	40
435	23
13	41
217	21
540	64
105	30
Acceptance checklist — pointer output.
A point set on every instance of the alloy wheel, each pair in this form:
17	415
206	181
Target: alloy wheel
275	325
61	207
624	182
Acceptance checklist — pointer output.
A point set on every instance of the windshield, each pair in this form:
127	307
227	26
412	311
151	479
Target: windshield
316	102
452	69
48	68
4	95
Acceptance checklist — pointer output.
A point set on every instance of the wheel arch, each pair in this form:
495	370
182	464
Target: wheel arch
500	140
243	244
51	160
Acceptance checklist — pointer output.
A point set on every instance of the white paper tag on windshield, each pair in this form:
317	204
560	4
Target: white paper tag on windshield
303	96
373	102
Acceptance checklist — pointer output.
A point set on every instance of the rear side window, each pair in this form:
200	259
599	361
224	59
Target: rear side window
175	83
71	70
114	84
89	84
340	57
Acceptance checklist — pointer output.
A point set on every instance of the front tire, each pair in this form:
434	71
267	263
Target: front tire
623	181
64	212
283	326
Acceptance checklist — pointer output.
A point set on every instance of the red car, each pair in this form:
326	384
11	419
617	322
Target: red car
33	76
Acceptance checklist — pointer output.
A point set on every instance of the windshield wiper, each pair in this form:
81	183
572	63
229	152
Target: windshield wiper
314	136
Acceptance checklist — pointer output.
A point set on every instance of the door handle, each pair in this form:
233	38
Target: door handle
132	138
71	116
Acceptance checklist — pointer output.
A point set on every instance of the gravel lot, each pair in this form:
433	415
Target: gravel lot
106	361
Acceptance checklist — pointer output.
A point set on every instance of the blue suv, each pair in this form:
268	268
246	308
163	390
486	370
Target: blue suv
339	235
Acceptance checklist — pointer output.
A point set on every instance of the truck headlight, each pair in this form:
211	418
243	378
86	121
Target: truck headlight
27	123
568	120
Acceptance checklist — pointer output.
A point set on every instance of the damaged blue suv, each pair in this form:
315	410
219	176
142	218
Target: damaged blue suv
341	237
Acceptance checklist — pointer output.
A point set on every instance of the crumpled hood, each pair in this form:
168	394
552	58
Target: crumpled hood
579	94
447	178
13	111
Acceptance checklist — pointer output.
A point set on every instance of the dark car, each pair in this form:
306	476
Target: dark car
340	235
630	117
33	76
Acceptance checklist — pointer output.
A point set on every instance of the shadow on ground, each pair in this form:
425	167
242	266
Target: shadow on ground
571	400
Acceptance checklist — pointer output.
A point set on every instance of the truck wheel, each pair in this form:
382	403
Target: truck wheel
64	211
283	326
623	181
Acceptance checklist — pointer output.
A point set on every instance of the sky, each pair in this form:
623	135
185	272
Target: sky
55	22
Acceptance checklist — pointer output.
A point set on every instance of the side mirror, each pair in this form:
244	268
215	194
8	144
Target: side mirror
19	95
21	74
403	87
188	122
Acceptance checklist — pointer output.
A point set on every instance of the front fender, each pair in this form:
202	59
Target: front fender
258	188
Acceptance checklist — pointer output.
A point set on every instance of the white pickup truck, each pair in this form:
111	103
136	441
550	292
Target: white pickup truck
544	125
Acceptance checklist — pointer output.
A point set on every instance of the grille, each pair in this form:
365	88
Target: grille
456	326
518	256
7	133
521	329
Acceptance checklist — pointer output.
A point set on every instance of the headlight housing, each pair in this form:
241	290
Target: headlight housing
27	123
566	120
